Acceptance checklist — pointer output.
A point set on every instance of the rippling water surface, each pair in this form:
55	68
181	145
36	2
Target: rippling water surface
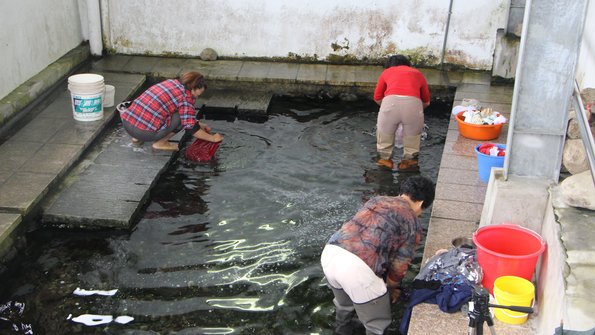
230	247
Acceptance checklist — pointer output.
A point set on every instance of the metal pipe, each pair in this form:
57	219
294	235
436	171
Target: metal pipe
446	35
583	123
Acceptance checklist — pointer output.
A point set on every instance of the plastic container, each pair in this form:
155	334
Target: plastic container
513	291
485	163
478	132
86	92
109	97
507	250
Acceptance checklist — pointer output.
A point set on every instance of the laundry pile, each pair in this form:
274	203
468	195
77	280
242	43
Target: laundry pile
475	114
447	280
491	149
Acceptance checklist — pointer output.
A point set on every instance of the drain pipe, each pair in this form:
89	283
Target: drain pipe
94	24
446	35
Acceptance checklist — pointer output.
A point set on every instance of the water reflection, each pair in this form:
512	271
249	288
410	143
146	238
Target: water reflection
229	247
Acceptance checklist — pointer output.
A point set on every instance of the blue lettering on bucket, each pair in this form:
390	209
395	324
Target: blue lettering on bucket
87	104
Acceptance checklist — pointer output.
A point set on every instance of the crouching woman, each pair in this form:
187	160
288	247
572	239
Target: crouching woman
165	109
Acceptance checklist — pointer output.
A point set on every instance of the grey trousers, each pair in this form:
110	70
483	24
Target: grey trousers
148	135
375	315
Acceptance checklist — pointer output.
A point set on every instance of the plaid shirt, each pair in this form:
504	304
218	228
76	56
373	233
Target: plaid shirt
153	109
384	234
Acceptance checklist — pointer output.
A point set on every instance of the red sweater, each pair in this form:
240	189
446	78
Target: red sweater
402	80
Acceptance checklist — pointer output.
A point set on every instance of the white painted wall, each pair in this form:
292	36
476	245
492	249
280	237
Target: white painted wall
278	28
34	34
585	73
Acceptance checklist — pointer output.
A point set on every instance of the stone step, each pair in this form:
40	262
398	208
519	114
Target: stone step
108	187
235	100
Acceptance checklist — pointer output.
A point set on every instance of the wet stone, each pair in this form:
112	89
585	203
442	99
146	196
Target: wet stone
111	185
208	54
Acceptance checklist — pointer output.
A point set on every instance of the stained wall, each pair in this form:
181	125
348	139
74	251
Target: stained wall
308	29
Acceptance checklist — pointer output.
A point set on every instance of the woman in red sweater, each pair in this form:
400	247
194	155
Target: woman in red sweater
402	93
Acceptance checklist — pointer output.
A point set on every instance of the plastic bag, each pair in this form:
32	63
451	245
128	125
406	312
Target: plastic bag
201	150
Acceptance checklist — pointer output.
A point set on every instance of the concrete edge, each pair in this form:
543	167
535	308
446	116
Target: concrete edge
8	223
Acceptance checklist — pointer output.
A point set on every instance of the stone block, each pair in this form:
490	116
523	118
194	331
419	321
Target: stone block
283	72
462	162
23	190
194	64
39	129
456	210
312	73
168	68
224	70
254	71
115	63
340	75
53	158
367	75
13	154
91	213
76	133
456	176
141	64
458	192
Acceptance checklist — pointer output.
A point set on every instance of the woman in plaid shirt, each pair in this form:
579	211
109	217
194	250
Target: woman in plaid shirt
366	259
164	109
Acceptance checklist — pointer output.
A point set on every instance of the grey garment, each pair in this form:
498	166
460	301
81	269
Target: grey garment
175	126
375	315
561	331
456	266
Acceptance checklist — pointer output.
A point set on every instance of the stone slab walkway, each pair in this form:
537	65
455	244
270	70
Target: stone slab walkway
108	187
38	155
458	205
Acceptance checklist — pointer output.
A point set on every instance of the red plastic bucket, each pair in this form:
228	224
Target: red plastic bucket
507	250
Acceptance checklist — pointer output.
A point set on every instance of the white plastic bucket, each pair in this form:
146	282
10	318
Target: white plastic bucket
108	98
86	92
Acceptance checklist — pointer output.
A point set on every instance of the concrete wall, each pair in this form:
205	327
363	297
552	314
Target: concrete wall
308	28
33	34
585	73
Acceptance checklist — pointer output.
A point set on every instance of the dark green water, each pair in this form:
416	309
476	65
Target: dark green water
230	247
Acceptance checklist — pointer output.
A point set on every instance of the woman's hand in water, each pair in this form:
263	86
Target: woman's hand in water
203	135
217	138
204	127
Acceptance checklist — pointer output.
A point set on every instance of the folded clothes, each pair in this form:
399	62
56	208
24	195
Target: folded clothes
449	298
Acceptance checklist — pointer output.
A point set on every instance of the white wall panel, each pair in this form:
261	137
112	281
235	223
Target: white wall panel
280	28
34	34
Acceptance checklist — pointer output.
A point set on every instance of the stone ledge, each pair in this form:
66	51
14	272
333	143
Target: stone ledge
8	223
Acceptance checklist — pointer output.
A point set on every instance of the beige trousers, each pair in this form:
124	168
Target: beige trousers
395	110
